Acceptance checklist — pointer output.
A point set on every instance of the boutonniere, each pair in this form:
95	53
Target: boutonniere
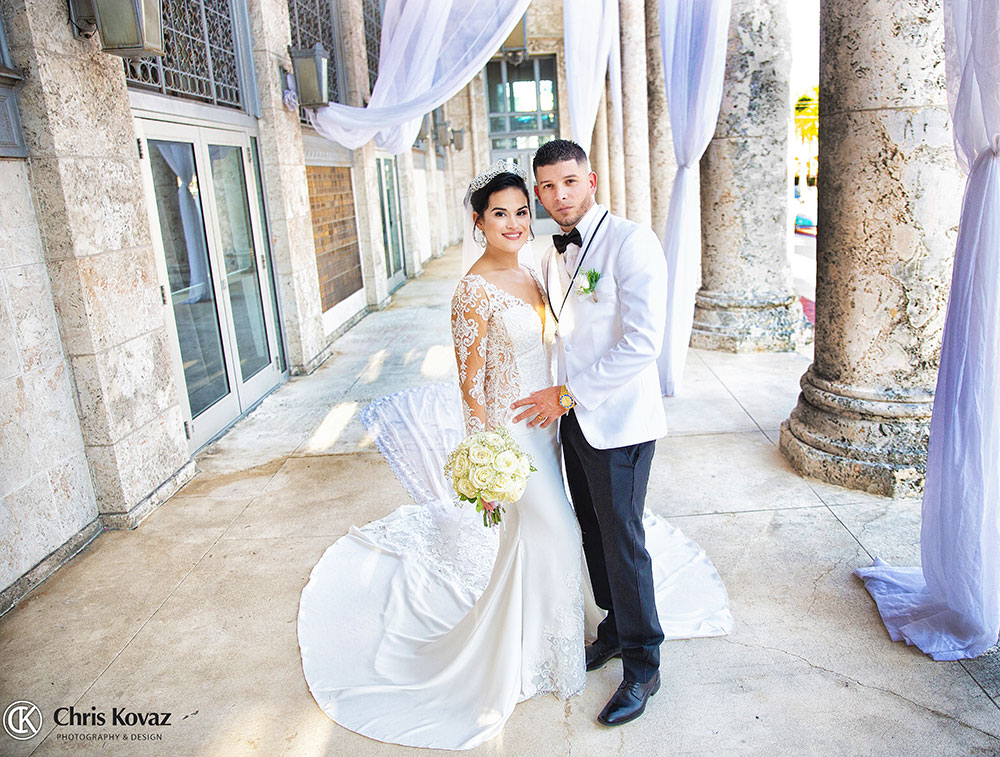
591	286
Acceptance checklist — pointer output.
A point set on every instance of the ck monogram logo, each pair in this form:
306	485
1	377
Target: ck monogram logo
22	720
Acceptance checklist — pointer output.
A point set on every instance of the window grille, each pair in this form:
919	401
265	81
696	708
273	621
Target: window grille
523	113
373	37
312	21
11	137
201	61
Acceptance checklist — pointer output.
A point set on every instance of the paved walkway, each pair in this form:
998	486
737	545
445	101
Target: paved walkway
194	613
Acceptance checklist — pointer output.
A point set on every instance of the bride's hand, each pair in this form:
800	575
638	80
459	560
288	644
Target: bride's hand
543	405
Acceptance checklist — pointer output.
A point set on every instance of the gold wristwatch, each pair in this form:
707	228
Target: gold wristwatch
565	398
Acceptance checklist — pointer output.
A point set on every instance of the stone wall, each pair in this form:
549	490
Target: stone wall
46	493
95	238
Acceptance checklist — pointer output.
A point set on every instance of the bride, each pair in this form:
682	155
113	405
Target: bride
425	628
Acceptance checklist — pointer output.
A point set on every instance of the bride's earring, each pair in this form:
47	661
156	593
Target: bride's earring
479	237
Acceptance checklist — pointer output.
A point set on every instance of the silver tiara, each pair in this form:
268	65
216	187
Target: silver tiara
508	165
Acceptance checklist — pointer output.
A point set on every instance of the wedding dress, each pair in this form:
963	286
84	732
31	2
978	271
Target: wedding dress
424	628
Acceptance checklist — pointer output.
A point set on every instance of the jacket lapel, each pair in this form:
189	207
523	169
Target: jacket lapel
586	253
550	273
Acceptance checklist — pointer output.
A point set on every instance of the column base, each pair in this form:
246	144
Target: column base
858	439
729	323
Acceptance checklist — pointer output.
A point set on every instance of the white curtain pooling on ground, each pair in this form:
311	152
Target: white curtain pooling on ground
950	609
430	49
591	32
693	37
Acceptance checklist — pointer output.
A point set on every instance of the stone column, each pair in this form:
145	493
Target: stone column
283	164
415	243
635	109
433	194
599	161
746	302
889	194
662	164
478	134
452	216
365	170
616	161
95	235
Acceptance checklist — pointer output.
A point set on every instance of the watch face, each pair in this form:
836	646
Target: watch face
566	401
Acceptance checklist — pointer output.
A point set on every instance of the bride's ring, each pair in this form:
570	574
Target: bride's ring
540	418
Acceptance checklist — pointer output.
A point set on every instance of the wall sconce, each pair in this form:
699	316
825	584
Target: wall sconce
442	133
309	66
423	136
129	28
515	47
458	138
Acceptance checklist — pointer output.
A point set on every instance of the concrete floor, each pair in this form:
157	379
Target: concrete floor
194	613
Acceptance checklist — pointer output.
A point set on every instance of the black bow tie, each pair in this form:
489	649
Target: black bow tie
562	241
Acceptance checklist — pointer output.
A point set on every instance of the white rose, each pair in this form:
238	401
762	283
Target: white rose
479	455
507	461
490	439
464	487
461	464
492	495
481	477
500	482
515	489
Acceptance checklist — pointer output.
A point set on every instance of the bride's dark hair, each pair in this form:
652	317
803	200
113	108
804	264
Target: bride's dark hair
481	197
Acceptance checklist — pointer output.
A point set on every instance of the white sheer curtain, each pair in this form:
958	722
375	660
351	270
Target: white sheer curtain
951	608
180	157
591	32
430	49
693	35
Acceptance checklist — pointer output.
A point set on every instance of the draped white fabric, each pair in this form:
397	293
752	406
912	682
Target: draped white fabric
180	158
693	36
430	49
590	31
951	608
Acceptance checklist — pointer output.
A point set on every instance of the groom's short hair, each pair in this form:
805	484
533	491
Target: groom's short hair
557	151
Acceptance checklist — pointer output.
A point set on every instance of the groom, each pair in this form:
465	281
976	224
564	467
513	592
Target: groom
606	281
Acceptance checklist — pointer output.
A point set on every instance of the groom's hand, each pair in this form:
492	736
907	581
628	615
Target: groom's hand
542	407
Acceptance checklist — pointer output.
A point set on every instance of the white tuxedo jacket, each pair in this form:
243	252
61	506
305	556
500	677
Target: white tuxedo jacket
607	348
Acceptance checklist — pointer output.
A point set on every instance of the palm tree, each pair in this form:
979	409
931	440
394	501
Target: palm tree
807	116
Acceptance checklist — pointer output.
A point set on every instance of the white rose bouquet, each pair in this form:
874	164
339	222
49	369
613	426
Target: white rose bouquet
488	468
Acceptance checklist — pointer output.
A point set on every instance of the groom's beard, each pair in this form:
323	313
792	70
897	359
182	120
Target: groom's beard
571	222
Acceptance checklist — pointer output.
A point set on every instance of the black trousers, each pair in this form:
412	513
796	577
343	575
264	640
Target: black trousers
608	488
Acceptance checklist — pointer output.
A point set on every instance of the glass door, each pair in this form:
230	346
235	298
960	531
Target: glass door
207	232
392	232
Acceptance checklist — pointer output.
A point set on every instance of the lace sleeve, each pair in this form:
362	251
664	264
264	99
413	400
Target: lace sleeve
470	311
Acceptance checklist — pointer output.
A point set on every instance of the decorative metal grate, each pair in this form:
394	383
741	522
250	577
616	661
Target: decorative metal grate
311	21
200	61
373	38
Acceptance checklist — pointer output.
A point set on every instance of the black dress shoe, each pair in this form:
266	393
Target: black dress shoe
629	701
598	654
